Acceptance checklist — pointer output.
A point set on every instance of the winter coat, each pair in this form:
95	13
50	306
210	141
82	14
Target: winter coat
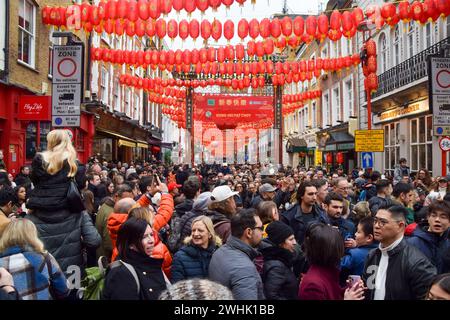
222	224
345	226
409	273
184	207
50	191
105	210
376	202
121	285
299	222
256	201
4	221
191	261
279	280
399	172
432	246
64	235
353	262
34	273
232	266
23	180
163	214
321	283
186	222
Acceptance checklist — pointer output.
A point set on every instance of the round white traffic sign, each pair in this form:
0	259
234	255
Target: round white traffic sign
67	67
444	144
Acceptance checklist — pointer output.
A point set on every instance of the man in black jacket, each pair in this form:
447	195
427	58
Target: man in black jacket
395	270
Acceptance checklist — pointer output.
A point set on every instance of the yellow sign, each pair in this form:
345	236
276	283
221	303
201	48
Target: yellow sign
369	140
318	160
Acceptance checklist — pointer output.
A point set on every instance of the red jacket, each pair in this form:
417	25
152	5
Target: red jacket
164	213
321	283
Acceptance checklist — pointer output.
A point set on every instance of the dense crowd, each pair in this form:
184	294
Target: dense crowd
147	231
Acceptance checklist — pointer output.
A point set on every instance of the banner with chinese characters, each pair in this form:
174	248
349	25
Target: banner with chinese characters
223	109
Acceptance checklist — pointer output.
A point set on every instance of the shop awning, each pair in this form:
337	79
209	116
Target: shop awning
154	141
126	143
339	137
167	145
295	145
142	144
115	134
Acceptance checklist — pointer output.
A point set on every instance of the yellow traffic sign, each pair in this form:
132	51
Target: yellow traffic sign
369	140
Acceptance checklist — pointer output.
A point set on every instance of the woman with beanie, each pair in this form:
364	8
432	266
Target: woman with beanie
192	260
279	280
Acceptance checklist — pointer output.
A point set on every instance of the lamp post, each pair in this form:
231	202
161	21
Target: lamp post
366	26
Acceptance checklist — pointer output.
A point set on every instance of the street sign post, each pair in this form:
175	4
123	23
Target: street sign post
439	82
67	85
367	160
369	140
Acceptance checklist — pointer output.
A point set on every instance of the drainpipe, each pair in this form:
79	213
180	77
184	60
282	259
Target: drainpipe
6	49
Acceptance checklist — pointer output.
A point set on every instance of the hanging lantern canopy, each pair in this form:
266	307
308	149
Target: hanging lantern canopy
194	28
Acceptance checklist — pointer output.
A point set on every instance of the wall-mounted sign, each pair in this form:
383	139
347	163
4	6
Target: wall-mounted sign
34	108
414	108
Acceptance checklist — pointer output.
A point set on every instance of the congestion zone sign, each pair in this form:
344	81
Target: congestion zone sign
67	67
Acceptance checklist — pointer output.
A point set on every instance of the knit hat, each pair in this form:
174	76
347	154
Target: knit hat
202	202
278	232
196	289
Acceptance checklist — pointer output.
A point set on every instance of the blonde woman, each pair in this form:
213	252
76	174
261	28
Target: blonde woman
36	274
192	260
63	232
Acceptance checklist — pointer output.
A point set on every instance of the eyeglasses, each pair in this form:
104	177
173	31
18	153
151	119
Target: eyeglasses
260	228
382	222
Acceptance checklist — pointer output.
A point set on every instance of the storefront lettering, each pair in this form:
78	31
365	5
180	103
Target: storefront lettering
401	112
33	107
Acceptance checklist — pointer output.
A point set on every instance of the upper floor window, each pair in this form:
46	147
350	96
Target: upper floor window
104	81
448	26
313	114
383	53
116	94
410	39
26	46
396	45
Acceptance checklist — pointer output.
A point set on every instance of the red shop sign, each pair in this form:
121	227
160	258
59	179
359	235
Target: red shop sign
35	108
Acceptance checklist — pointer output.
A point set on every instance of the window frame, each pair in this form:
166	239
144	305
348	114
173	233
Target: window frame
348	107
384	53
397	46
418	143
388	146
104	85
31	34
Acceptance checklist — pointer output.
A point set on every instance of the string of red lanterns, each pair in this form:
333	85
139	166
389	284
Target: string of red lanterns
370	66
141	18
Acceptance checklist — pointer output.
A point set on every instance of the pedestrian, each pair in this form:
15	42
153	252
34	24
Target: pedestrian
7	199
36	274
333	206
382	198
395	270
440	288
279	280
401	170
7	289
267	212
140	276
64	233
19	208
196	289
324	249
232	264
192	260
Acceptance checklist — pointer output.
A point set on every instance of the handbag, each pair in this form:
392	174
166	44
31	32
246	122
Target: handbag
74	199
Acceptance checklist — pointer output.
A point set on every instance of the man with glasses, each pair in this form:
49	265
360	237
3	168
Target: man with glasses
432	237
342	186
395	270
232	264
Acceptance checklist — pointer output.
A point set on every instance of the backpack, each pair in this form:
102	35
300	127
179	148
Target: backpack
92	285
174	240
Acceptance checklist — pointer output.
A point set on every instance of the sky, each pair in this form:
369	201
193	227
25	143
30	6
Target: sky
262	9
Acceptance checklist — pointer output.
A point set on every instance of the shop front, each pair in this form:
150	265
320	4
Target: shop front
297	150
338	150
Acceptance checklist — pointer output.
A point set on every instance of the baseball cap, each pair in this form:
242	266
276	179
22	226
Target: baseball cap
173	185
222	193
267	187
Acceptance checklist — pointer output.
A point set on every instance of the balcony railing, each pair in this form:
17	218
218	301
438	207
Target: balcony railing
408	71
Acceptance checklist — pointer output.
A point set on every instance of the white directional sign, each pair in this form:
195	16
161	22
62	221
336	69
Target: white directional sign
440	91
367	159
67	85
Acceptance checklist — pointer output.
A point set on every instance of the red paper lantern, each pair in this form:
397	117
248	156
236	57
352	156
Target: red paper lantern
340	158
371	47
276	28
171	57
111	9
46	15
202	5
221	54
264	28
161	28
165	6
243	29
143	7
253	28
227	3
130	28
150	28
322	27
417	10
286	26
404	11
85	9
311	28
172	29
205	29
269	46
203	55
154	9
229	53
228	30
190	6
443	7
240	52
94	18
140	28
132	11
347	24
372	64
372	82
329	157
214	4
183	29
358	15
178	5
194	28
211	54
430	10
356	59
216	31
186	56
251	48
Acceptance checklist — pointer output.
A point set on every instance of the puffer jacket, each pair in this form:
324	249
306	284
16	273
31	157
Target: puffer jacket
64	234
279	280
408	276
160	250
164	212
222	224
184	207
191	261
432	246
50	191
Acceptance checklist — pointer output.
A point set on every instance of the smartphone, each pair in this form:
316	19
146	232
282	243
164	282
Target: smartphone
353	280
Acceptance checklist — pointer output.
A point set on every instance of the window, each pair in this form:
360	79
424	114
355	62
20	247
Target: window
53	42
336	108
421	147
27	14
411	27
335	49
136	114
383	65
392	146
313	115
397	46
127	102
116	94
448	26
104	85
326	119
348	100
324	53
32	133
346	46
306	120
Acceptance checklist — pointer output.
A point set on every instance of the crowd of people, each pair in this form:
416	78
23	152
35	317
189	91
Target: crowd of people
244	232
